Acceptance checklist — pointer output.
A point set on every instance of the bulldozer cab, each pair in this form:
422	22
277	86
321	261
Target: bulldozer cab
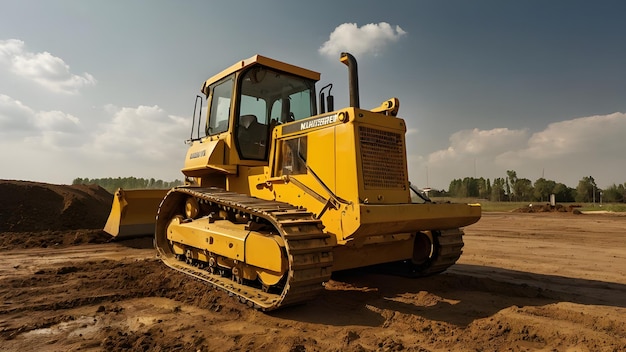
246	104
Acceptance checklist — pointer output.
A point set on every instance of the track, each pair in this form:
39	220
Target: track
447	249
309	251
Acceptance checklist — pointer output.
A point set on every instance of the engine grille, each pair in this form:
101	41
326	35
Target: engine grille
382	155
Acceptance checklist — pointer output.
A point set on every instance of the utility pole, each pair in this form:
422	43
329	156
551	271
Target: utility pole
594	196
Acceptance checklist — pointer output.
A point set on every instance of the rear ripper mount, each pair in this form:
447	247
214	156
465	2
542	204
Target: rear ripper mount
308	250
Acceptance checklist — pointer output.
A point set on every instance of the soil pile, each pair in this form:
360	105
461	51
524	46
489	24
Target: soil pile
547	208
33	206
34	214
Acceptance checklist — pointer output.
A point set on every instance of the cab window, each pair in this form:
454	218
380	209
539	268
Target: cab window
220	106
252	130
296	106
269	97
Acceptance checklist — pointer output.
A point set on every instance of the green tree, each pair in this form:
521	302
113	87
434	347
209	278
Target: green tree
542	189
468	187
614	194
473	186
511	178
518	189
484	188
587	190
454	188
498	190
112	184
523	189
562	193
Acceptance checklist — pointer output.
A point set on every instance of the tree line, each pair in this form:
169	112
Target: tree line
509	188
516	189
112	184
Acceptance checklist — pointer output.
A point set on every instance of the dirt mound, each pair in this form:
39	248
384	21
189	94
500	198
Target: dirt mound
34	214
33	206
547	208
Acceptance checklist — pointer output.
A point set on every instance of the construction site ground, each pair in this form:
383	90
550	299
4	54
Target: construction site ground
526	282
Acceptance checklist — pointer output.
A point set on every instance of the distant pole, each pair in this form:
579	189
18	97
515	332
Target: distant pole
594	195
600	198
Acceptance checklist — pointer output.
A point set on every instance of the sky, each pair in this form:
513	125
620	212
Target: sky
96	89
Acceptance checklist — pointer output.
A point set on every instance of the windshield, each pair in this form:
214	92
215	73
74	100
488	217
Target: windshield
270	97
289	97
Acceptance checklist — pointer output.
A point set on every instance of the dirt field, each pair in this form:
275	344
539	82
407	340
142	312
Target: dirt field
526	282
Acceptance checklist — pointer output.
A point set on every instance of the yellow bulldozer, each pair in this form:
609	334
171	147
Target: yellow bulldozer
279	195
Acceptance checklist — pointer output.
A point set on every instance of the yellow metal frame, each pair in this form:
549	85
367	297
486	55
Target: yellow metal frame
261	60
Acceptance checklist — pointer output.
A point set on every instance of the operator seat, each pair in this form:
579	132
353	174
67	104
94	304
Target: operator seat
252	137
247	120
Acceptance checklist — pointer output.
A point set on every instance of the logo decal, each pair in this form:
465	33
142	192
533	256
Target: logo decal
199	154
305	125
318	122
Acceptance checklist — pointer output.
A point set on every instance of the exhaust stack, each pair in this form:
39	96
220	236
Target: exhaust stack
353	78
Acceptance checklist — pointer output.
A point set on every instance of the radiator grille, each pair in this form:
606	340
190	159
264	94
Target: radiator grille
382	155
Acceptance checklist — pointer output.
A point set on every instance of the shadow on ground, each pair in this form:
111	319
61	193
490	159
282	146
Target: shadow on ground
467	293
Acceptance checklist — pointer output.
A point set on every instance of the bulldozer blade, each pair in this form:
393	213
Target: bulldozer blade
133	212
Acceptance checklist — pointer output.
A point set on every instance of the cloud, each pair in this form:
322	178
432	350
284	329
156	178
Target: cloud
17	119
371	38
142	141
471	143
144	132
43	68
132	133
56	121
565	151
599	135
14	116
